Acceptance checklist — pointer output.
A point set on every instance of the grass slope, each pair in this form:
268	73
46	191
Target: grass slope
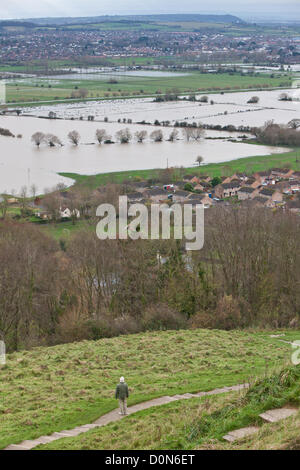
51	389
201	423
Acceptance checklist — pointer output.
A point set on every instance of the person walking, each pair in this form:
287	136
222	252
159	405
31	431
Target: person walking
122	394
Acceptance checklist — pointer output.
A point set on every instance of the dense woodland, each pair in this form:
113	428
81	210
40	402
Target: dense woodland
247	275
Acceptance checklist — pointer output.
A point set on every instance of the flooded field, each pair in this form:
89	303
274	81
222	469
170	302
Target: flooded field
22	163
116	74
228	108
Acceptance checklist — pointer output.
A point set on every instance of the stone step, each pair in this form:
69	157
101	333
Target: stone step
170	399
272	416
89	426
61	435
181	397
15	447
45	439
240	433
71	433
30	444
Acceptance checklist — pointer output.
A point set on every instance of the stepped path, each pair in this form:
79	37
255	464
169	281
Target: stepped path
114	416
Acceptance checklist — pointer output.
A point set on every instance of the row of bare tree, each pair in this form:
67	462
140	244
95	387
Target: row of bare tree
247	275
123	136
278	134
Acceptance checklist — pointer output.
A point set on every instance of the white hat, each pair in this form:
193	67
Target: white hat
122	379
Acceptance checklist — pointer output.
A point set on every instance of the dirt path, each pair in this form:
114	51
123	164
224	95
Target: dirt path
113	416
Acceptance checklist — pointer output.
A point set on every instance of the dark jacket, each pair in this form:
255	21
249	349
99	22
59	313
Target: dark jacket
122	391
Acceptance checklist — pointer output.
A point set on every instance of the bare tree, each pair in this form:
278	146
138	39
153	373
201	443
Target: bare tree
197	133
187	133
52	140
38	138
33	190
294	124
23	198
157	136
83	93
285	97
101	135
3	205
203	99
194	133
199	160
52	203
174	135
124	136
253	100
140	136
74	137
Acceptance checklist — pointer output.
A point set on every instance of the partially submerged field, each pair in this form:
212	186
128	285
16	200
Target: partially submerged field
51	389
49	89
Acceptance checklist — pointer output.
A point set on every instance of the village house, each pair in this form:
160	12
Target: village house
202	186
135	197
271	195
261	176
246	193
181	196
295	186
225	190
252	182
191	179
283	173
205	179
66	213
295	175
156	195
230	179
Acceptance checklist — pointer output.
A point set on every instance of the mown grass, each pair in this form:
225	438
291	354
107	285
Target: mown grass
248	165
51	389
197	423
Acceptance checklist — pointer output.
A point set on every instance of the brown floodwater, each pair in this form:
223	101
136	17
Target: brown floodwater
22	164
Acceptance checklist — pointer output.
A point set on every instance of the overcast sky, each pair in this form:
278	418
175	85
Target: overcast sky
45	8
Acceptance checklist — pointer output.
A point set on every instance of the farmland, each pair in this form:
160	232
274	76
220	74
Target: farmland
120	85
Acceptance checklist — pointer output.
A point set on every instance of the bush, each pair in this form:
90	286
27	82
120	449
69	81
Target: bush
162	317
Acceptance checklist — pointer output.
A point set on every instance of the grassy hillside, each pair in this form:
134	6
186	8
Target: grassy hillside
201	423
51	389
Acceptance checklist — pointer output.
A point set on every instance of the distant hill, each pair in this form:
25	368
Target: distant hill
224	19
17	23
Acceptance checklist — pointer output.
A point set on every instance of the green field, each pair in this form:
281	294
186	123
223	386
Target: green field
43	90
50	389
65	230
248	165
201	423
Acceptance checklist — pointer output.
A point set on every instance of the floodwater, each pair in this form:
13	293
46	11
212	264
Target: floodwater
22	164
230	108
117	74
